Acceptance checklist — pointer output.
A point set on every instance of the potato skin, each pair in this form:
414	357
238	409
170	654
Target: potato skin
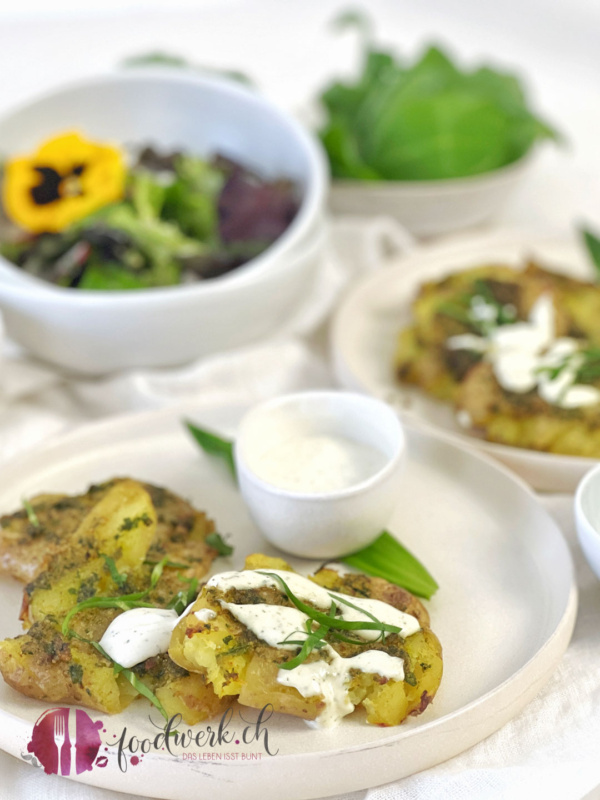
391	702
238	664
44	665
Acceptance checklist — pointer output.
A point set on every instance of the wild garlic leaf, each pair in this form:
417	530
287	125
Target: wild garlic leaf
592	243
213	444
216	541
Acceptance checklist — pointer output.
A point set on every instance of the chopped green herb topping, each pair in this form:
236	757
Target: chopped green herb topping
129	524
76	673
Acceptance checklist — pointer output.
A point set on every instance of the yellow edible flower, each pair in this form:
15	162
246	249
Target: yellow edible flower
66	179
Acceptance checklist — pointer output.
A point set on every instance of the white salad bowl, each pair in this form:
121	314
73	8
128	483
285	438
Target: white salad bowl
432	208
95	332
587	517
321	524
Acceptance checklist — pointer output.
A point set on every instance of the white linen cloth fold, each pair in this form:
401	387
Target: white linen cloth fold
550	750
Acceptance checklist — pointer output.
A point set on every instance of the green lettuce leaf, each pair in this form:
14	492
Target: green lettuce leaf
426	121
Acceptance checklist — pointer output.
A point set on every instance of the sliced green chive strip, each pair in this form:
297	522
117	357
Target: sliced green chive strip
325	619
327	624
125	602
31	515
118	577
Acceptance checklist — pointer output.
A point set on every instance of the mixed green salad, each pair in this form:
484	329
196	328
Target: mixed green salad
77	215
425	120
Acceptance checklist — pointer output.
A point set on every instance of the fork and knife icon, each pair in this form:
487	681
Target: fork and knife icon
63	742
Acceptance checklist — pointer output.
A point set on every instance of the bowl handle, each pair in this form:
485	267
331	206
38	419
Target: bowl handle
371	243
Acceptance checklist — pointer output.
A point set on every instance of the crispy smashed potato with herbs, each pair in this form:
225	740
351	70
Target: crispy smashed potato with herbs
213	642
28	546
466	378
122	530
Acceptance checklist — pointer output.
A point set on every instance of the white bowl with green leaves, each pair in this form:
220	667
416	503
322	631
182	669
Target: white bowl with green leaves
95	331
434	145
432	208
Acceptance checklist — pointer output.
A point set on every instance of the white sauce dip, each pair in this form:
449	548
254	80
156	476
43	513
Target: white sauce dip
205	614
318	464
521	354
138	634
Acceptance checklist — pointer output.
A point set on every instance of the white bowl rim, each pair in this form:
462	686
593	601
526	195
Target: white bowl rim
349	492
441	185
311	206
582	489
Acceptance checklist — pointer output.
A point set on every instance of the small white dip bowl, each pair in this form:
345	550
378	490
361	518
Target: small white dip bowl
587	517
321	524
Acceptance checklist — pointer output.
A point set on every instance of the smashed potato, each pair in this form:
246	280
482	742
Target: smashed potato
210	640
466	379
111	552
26	549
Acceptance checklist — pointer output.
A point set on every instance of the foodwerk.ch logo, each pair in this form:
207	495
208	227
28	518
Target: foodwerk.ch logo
66	741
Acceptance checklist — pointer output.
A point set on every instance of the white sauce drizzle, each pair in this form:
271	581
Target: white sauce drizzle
205	614
305	590
318	463
272	624
141	633
383	613
330	680
519	354
326	678
138	634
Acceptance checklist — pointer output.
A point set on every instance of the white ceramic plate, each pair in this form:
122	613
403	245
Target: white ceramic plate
366	327
504	612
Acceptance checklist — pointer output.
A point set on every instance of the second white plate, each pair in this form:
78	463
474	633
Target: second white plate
366	326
